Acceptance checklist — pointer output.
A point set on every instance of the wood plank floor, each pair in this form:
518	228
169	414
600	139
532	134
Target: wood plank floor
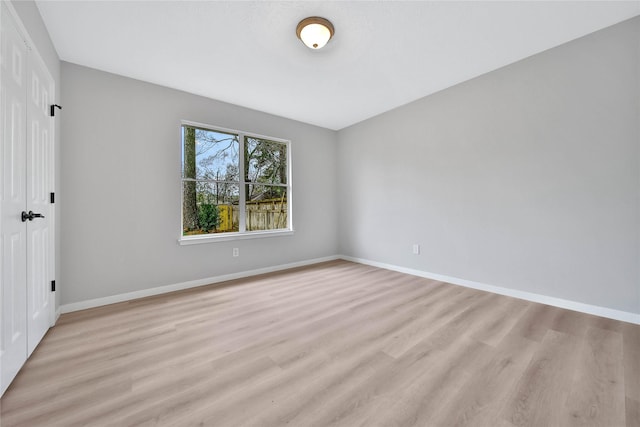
333	344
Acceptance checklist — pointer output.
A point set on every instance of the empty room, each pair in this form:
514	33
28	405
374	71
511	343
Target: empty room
311	213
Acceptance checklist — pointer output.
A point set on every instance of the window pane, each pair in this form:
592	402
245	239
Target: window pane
266	207
208	154
217	192
265	161
212	209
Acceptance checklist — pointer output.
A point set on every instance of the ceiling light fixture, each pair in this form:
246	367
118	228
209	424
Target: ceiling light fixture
315	32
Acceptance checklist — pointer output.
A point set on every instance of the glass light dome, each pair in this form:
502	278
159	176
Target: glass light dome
315	32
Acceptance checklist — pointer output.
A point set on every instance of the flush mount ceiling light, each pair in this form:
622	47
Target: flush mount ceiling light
315	32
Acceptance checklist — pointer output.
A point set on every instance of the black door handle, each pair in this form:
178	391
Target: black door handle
29	216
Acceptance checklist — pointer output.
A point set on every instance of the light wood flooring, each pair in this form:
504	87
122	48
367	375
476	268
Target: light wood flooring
334	344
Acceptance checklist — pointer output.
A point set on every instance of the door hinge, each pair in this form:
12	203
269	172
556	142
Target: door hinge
53	109
52	197
53	286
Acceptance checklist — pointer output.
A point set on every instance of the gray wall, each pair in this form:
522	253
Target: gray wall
527	177
31	19
121	180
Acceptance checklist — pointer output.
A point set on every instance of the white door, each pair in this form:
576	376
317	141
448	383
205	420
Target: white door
39	186
13	339
26	227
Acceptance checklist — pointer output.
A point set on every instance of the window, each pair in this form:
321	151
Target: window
234	184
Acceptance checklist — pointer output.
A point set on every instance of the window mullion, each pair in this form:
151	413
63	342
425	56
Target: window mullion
242	216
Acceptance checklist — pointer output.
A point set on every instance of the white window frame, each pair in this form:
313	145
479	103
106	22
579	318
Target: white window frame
237	235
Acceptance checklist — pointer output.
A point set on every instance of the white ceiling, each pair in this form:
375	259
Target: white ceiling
384	53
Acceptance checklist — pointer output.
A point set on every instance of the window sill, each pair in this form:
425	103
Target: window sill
196	240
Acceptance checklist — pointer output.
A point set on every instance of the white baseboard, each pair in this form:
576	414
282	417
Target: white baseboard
528	296
97	302
610	313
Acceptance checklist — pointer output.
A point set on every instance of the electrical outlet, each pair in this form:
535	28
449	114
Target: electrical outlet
236	252
416	249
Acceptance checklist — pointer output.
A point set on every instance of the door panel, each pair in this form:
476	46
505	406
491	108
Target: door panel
39	182
13	232
26	158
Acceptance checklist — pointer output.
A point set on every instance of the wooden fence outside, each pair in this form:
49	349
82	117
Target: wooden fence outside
268	214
